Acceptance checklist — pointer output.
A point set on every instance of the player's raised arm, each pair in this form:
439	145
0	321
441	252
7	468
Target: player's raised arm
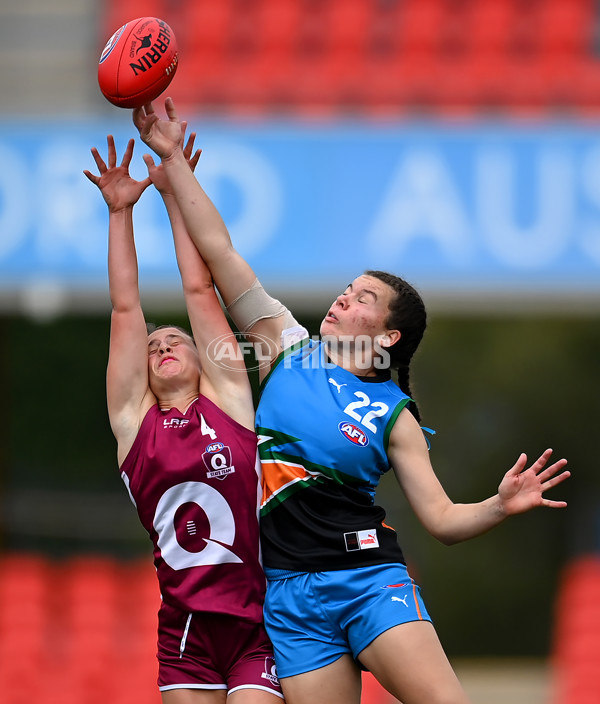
253	311
127	372
522	488
231	272
225	380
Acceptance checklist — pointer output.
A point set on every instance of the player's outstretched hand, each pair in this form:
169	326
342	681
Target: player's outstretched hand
157	171
164	137
523	488
118	188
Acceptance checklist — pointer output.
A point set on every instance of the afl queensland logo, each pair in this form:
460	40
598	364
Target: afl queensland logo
353	433
111	43
218	461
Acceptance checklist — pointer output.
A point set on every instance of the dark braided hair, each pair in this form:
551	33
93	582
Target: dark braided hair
406	314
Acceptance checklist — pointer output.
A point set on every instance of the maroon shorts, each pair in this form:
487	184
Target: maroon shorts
213	651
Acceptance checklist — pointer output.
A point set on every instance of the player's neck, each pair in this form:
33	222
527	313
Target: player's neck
355	363
177	400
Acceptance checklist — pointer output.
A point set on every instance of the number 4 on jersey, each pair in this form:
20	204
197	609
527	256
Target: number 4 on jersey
205	429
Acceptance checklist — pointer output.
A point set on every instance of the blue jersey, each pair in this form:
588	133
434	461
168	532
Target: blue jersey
323	434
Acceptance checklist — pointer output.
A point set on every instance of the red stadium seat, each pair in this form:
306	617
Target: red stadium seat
488	26
22	573
342	55
420	23
277	24
566	26
576	651
202	36
575	83
116	14
79	631
348	25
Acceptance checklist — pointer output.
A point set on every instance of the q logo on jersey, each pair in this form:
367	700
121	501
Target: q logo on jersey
217	460
353	433
214	548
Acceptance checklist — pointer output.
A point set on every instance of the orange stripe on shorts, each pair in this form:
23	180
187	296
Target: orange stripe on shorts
417	602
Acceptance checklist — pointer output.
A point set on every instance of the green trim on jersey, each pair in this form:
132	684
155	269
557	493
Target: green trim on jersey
393	418
284	353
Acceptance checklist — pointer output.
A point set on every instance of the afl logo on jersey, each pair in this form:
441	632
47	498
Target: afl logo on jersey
215	447
353	433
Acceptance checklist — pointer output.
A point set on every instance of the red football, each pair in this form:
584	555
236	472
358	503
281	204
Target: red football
138	62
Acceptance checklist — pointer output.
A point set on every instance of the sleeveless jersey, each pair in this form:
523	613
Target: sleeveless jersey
322	439
194	479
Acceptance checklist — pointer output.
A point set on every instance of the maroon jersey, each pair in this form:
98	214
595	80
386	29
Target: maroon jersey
194	480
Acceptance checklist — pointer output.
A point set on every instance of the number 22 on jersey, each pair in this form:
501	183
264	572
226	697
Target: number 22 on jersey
376	409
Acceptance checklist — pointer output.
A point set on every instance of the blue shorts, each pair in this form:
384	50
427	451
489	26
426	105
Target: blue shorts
313	618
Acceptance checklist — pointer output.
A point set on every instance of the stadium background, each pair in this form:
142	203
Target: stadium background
455	142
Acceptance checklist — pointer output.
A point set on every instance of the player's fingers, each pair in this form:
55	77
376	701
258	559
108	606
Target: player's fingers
138	117
548	503
170	108
112	151
92	177
98	159
518	466
541	461
194	160
549	476
128	154
190	144
188	149
148	160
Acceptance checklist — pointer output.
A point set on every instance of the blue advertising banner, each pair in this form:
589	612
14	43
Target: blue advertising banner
481	209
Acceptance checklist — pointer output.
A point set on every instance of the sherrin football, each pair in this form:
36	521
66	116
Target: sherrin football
138	62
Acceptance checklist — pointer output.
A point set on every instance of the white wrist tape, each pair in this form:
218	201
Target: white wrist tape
255	304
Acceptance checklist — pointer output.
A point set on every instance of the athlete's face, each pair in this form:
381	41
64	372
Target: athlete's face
171	353
362	309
